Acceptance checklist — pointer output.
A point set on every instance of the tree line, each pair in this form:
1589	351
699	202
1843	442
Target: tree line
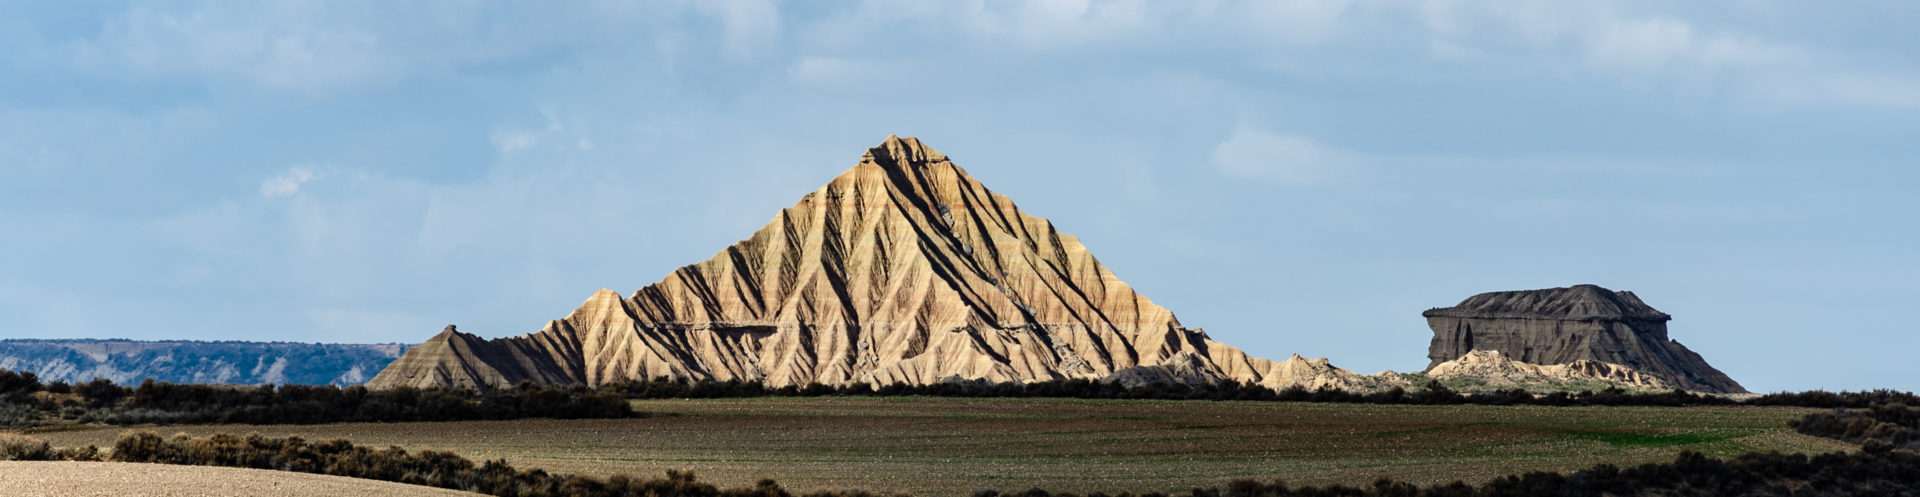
1889	426
25	402
1432	393
1877	470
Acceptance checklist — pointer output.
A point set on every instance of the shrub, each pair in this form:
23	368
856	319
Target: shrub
23	448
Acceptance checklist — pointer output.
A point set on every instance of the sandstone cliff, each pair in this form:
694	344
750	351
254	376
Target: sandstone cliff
1564	325
1495	370
903	269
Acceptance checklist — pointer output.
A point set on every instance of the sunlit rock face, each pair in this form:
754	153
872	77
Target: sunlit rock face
901	270
1495	370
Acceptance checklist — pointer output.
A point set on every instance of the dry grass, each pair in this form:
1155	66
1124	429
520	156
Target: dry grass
114	479
950	446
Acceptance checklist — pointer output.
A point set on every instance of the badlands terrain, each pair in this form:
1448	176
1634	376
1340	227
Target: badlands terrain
954	446
906	271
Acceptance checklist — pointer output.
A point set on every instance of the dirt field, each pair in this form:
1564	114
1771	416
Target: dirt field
936	446
114	479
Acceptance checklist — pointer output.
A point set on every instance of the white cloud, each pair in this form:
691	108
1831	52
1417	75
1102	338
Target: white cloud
832	71
1655	47
321	48
1641	49
1289	160
288	183
1072	25
746	25
513	141
1297	20
285	47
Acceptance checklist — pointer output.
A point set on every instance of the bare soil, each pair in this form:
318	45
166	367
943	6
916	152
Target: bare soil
119	479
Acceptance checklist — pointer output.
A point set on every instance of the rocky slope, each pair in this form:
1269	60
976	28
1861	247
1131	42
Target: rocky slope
903	269
1310	374
247	363
1494	370
1564	325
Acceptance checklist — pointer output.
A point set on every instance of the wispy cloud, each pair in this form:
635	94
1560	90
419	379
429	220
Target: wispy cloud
1284	159
1642	49
288	183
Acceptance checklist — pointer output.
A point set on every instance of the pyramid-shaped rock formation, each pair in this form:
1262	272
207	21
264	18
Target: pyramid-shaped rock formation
1564	325
904	269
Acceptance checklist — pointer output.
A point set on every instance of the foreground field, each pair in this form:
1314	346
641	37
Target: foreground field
950	446
115	479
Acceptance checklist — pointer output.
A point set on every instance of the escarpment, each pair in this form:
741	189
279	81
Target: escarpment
903	269
1565	325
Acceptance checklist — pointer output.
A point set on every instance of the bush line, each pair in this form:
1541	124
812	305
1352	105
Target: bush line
25	402
1878	470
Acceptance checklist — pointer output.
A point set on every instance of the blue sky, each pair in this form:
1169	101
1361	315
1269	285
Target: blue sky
1293	176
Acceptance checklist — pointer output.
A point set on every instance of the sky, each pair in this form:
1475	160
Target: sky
1292	176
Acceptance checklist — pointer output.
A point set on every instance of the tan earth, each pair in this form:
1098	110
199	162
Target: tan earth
118	479
1499	371
902	270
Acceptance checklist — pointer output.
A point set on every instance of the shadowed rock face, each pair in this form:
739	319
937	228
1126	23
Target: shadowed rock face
903	269
1564	325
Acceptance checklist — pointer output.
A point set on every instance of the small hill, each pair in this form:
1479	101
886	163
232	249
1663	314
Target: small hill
1560	326
128	362
901	270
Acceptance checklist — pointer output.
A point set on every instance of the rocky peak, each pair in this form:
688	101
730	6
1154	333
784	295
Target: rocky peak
902	153
902	269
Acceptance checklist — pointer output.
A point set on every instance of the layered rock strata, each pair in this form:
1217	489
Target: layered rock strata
903	269
1496	370
1565	325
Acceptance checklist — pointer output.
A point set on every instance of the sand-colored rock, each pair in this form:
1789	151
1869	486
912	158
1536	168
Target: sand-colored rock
1185	368
1498	371
903	269
1564	325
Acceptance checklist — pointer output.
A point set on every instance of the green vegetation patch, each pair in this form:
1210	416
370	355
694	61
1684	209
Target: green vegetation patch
1650	440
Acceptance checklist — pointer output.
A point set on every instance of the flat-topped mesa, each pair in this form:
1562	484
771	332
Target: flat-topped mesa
1564	325
902	269
1577	303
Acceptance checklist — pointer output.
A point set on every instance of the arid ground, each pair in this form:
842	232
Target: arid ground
115	479
948	446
